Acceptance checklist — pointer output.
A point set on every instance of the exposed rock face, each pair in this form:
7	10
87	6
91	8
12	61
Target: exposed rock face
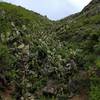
95	1
94	4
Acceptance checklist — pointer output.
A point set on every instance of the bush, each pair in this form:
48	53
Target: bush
95	90
6	59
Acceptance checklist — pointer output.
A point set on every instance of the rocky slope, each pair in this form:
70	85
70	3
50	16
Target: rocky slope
45	60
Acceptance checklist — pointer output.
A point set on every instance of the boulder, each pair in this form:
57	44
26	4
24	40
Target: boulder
50	89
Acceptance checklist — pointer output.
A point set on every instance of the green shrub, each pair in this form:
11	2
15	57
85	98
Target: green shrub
98	62
6	59
94	89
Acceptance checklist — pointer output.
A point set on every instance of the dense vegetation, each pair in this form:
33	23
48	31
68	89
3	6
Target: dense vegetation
46	60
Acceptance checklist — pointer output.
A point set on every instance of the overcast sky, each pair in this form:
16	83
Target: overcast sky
54	9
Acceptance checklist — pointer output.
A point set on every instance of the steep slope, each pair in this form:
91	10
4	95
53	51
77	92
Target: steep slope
82	29
81	34
14	13
41	59
17	26
26	42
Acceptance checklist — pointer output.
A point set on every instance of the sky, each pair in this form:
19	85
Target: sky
53	9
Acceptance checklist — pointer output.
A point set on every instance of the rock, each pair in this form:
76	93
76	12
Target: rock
50	89
2	13
22	98
29	85
26	49
21	46
29	96
70	68
24	27
12	23
73	87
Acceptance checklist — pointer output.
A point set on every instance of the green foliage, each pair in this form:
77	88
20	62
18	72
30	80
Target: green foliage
98	62
47	98
34	50
6	59
95	89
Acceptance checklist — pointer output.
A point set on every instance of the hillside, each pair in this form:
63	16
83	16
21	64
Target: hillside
45	60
